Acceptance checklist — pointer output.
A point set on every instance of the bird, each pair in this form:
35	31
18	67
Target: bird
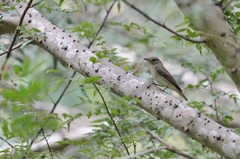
162	76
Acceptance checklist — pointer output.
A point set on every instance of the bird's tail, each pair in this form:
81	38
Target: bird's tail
181	93
183	96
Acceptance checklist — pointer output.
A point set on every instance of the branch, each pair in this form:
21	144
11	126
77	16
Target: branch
47	144
14	47
52	110
169	147
156	102
109	114
226	5
144	152
15	35
210	20
162	25
210	81
12	147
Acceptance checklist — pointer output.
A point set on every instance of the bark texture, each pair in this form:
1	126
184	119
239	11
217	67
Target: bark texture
152	99
209	19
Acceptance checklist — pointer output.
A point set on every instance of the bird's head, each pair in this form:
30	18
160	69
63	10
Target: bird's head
153	60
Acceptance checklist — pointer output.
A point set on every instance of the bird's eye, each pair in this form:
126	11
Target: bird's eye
153	59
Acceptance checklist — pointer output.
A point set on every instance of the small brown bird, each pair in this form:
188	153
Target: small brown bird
162	76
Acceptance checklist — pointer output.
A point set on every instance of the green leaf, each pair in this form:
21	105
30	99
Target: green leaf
190	86
93	59
60	2
115	112
89	114
135	24
227	118
35	30
237	5
127	27
119	6
5	75
181	30
26	43
92	79
199	47
53	71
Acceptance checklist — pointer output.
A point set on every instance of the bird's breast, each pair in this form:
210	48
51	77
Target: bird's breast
159	78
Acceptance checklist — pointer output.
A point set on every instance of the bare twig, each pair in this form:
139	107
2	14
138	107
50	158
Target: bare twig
144	152
226	5
10	48
168	147
214	100
14	47
47	144
55	105
37	3
105	104
103	23
109	114
162	25
63	92
12	147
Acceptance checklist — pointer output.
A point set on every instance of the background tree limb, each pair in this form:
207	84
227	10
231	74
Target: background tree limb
210	20
152	99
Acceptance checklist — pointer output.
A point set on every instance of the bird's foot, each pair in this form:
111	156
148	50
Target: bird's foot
156	84
165	89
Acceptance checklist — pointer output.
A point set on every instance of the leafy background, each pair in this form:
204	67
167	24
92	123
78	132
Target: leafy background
34	80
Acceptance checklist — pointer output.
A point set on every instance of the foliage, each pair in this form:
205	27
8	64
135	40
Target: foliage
33	79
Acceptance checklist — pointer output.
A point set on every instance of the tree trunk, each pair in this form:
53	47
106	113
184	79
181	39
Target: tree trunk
209	19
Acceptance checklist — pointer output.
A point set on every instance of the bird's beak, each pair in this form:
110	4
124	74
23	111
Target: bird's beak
145	59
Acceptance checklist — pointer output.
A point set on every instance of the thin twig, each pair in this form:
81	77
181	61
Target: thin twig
215	100
55	105
14	47
47	144
37	3
226	5
103	23
12	147
162	25
63	92
109	114
105	104
144	152
15	35
168	147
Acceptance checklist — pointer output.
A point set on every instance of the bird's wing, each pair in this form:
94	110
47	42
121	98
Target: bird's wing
164	73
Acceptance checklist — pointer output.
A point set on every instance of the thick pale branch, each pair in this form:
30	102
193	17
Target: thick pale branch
152	99
210	20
